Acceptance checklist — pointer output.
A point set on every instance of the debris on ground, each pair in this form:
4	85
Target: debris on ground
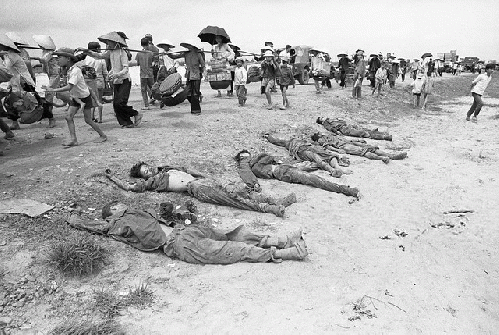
32	208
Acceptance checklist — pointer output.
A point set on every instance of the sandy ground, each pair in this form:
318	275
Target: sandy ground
391	263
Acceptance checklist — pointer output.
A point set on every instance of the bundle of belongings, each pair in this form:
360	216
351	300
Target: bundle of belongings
254	73
177	232
27	107
168	88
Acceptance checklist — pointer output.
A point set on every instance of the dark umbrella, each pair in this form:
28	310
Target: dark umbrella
208	35
341	55
427	54
373	55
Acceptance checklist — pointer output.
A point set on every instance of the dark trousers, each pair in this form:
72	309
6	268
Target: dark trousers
326	82
121	109
4	127
193	93
477	105
343	76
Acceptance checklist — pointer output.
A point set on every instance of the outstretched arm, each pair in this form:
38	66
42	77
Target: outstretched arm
124	185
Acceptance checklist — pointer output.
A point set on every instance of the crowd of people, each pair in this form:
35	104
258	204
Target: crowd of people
78	77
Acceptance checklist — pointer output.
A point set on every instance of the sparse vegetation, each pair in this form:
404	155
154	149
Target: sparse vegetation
78	254
86	327
110	303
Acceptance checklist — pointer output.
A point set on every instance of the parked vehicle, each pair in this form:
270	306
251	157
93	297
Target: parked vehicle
301	63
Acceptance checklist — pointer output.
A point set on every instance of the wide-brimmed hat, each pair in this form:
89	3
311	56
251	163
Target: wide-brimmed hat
285	57
113	36
341	55
359	50
7	42
16	38
373	55
165	43
190	43
44	42
268	53
66	52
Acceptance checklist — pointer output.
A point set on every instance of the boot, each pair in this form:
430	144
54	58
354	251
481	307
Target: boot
296	253
399	156
277	210
287	200
282	242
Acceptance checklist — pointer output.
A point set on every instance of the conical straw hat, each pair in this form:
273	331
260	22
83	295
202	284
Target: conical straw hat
7	42
45	42
165	43
114	37
16	38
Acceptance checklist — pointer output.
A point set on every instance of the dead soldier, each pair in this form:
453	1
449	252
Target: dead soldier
194	242
178	179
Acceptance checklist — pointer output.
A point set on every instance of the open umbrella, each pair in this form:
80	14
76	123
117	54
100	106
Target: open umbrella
7	43
427	54
208	35
114	37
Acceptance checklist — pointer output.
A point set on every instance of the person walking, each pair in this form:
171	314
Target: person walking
343	65
144	60
478	87
359	73
120	76
195	65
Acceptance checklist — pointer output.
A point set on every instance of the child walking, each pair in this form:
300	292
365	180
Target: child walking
380	78
285	79
240	78
478	87
418	87
79	90
269	69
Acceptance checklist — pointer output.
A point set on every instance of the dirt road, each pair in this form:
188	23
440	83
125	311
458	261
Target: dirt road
391	263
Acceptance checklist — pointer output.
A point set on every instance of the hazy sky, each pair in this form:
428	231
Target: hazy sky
407	28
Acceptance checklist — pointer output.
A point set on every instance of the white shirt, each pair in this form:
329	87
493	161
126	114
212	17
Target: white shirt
240	76
75	77
482	81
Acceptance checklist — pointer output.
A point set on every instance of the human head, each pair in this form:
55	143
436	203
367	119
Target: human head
65	57
239	62
148	37
94	46
288	47
219	39
113	208
144	42
359	52
268	55
143	170
489	68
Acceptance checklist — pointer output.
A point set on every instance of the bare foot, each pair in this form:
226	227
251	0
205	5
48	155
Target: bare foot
70	144
101	139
